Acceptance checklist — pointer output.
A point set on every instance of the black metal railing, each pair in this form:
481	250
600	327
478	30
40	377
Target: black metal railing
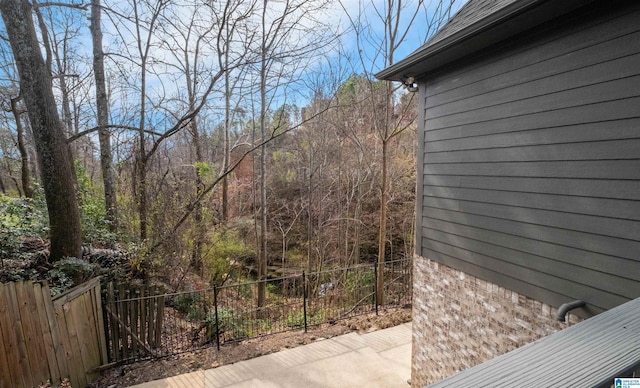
197	319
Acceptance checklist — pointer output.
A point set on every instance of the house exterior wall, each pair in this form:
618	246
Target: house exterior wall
529	188
460	321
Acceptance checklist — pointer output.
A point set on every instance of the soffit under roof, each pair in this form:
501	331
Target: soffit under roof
477	25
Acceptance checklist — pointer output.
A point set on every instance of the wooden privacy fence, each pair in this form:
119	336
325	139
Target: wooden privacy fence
134	318
44	339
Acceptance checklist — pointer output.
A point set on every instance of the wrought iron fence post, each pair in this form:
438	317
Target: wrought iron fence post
304	299
215	307
375	285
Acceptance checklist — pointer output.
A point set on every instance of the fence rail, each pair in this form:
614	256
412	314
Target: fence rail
143	323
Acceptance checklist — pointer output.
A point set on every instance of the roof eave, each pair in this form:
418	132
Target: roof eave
502	24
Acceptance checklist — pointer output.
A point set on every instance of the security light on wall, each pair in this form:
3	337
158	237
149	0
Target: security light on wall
410	84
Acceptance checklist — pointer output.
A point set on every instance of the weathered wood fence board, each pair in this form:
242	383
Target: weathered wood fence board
134	316
5	371
44	339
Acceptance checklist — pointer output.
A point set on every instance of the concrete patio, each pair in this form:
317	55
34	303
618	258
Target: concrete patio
378	359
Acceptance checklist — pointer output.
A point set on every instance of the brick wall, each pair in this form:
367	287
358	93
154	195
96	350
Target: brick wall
460	321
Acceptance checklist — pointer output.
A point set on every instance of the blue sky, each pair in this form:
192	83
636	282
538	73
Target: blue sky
344	61
417	29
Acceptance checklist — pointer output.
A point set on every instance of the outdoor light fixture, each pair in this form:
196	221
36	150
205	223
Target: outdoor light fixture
410	84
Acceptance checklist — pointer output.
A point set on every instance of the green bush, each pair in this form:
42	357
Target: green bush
184	302
192	305
21	217
222	249
260	326
70	272
211	324
295	319
235	326
360	278
230	322
273	288
95	226
196	314
18	274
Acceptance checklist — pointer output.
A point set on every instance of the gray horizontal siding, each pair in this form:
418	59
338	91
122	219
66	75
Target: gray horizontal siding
575	256
532	52
588	205
610	246
531	162
587	169
602	150
539	266
585	95
589	188
602	112
619	129
604	226
600	73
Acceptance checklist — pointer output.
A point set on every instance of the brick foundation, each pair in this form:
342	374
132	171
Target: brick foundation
460	321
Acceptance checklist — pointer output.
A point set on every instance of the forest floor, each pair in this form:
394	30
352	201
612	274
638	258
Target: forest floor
143	371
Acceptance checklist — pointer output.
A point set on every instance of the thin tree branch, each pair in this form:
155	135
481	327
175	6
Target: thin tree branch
78	135
193	204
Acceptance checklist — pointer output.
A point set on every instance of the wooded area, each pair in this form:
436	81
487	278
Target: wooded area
239	139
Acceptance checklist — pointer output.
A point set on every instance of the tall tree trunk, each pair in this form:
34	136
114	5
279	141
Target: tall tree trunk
142	159
309	208
199	227
262	254
382	235
141	177
67	120
54	155
24	155
226	158
44	33
102	105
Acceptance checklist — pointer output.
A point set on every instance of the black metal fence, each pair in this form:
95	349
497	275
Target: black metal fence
214	316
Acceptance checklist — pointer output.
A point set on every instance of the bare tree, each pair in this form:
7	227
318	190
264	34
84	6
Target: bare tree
12	103
54	155
59	54
397	17
241	36
102	107
290	35
17	112
160	115
200	38
186	38
144	46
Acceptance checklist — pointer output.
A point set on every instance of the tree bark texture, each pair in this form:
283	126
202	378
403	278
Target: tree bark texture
24	155
262	252
382	235
102	105
226	158
54	155
199	226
